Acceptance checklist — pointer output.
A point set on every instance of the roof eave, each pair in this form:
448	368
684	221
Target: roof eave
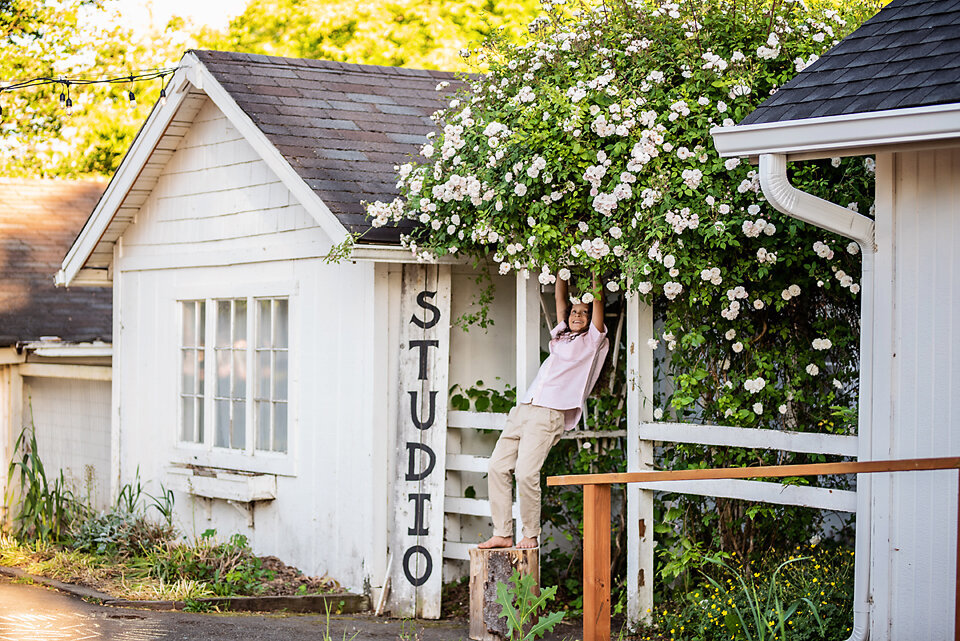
848	134
121	183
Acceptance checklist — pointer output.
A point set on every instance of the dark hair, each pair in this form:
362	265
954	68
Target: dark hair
566	319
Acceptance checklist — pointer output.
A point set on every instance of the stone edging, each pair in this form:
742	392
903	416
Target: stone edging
343	603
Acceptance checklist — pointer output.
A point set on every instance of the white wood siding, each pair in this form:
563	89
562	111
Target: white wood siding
220	225
915	403
216	198
72	421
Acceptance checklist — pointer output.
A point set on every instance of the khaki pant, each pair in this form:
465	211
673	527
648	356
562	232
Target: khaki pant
523	446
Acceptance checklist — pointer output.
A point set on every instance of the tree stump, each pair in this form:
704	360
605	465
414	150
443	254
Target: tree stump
487	569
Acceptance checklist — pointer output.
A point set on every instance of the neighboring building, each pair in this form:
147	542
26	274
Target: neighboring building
891	90
54	344
272	390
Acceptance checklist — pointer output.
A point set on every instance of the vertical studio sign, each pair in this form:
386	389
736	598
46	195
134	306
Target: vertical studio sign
418	527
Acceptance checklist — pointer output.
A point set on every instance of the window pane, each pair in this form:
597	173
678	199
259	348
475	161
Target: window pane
223	372
280	376
280	340
186	432
199	402
263	324
200	372
263	425
240	324
189	323
238	432
280	427
239	374
223	323
188	370
263	374
202	323
222	437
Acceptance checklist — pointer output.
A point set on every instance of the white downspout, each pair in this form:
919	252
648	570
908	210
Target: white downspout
826	215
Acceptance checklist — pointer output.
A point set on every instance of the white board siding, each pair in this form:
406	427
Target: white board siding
327	499
916	413
72	421
217	195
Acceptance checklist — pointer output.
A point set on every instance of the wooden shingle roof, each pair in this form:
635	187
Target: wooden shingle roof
908	55
342	127
39	219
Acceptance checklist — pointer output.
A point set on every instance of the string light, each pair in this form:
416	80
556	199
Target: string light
140	76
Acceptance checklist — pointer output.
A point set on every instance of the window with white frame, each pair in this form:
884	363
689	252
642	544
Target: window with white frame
247	362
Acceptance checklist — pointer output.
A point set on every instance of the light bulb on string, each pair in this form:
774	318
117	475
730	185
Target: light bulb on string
163	97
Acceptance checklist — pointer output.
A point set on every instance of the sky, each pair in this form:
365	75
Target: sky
140	14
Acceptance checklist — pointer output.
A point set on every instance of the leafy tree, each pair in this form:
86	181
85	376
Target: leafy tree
410	33
39	135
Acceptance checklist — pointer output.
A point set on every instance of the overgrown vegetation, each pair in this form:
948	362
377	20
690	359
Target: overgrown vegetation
804	596
133	550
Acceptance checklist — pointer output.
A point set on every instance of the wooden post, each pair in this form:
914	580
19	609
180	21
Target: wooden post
596	563
487	569
639	378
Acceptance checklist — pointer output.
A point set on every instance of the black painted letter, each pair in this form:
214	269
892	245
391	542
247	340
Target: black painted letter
412	474
414	405
422	302
420	580
418	528
423	346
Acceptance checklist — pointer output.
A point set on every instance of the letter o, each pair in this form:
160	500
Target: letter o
420	580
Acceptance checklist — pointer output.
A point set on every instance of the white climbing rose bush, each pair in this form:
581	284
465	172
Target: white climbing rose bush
587	150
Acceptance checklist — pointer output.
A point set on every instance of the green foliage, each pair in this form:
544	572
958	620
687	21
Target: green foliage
229	568
798	598
126	530
44	510
408	33
39	136
524	609
483	399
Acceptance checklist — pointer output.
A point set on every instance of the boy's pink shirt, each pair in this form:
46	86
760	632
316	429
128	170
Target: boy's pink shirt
567	377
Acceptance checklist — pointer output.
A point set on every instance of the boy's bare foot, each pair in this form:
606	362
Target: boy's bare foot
527	542
497	542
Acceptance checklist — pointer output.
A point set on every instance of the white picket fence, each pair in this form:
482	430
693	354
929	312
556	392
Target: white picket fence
455	505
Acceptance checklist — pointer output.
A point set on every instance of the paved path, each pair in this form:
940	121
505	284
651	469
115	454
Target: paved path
33	613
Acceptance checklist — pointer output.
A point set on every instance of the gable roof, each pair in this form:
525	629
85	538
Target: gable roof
331	132
342	127
908	55
38	221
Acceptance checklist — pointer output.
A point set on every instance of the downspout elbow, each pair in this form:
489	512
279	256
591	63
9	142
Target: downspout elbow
806	207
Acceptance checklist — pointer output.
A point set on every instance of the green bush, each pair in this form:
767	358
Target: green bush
817	581
229	568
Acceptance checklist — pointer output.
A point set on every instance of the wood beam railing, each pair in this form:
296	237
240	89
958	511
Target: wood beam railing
596	518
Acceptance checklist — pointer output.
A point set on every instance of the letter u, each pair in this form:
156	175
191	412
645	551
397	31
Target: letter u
420	424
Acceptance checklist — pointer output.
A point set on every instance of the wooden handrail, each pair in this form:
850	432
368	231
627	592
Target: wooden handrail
596	518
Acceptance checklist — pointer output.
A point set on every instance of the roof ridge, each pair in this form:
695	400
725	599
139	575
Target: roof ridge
315	63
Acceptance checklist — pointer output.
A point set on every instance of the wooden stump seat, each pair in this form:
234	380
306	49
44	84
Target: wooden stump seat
487	569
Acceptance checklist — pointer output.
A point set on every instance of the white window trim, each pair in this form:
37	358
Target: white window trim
249	459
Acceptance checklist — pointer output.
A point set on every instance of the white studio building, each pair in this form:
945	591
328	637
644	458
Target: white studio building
54	344
890	90
298	401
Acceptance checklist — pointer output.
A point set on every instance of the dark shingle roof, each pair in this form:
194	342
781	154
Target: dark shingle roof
908	55
39	219
341	126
